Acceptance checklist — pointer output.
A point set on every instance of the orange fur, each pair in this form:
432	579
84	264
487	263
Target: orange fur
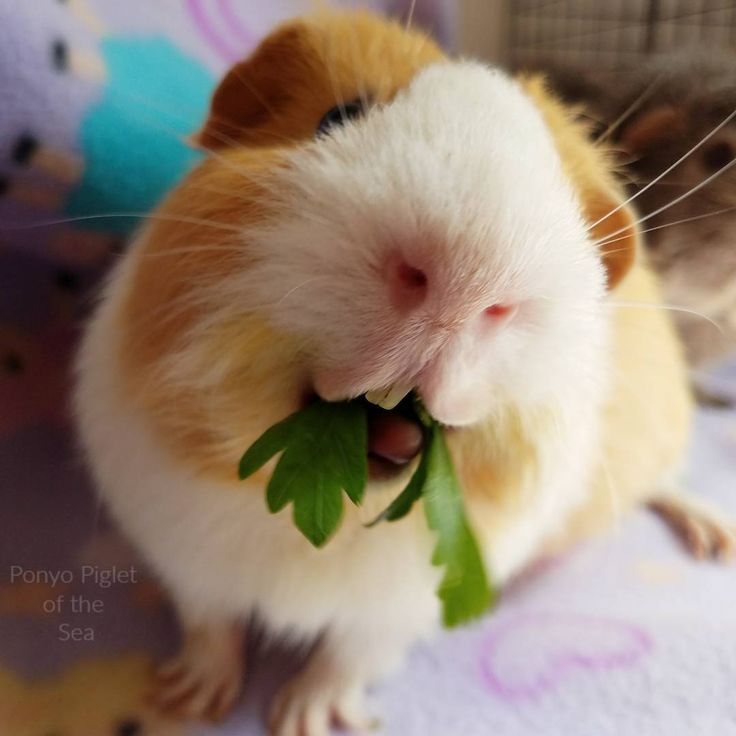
306	67
589	169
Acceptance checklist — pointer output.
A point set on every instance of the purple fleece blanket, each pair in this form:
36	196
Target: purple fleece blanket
624	637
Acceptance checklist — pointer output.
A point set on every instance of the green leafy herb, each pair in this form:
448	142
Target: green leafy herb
464	591
324	452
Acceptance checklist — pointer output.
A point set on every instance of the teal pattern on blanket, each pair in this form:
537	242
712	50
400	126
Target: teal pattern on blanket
132	138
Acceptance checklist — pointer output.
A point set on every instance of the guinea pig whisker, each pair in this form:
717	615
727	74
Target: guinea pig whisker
359	78
704	216
139	215
339	97
630	110
617	304
666	308
682	158
208	151
192	250
296	288
223	137
410	14
676	200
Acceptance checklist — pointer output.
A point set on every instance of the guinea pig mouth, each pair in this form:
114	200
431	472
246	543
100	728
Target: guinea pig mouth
395	437
394	440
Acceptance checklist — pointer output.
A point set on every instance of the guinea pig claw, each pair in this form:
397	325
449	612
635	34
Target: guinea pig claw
390	397
204	681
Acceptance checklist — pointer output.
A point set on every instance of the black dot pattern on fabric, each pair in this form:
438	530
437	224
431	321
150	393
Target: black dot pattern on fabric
13	363
25	148
60	55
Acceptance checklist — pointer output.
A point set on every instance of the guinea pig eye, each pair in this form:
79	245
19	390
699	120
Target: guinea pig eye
718	155
339	115
129	727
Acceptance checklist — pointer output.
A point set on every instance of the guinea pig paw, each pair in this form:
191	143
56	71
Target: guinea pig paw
705	531
309	704
204	680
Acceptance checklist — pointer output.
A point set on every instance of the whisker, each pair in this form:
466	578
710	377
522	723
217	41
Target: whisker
359	79
682	158
670	224
665	307
630	110
410	15
295	288
231	250
616	304
139	215
676	200
208	151
339	97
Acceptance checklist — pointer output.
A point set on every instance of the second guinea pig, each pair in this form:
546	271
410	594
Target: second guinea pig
655	113
374	215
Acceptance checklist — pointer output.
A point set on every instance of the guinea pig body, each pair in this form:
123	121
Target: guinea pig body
287	264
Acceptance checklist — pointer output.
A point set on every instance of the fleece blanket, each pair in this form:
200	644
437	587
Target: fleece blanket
623	636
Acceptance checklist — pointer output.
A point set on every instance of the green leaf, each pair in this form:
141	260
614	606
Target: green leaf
273	440
325	449
404	502
464	590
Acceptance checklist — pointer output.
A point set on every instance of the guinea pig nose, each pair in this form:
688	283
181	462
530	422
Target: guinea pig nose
500	311
407	284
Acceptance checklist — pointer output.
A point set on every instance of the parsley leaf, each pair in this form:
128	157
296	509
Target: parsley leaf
404	502
464	590
324	452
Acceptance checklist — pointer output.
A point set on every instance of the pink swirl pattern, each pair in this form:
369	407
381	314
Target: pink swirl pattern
526	656
229	49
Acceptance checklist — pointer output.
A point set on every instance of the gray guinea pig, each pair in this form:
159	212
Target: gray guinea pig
655	113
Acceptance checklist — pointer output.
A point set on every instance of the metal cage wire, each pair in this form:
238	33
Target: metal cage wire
615	32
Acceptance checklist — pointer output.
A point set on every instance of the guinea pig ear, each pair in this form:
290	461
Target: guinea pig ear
613	228
254	90
655	126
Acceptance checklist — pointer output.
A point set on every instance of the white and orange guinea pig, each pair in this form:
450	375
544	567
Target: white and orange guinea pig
373	215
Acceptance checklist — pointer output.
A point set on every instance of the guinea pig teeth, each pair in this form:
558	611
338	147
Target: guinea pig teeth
389	397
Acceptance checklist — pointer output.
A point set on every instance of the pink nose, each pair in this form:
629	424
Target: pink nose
407	284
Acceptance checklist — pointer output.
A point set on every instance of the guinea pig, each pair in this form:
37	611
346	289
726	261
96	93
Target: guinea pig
655	113
374	216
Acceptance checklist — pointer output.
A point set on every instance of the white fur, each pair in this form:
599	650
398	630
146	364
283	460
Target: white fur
460	174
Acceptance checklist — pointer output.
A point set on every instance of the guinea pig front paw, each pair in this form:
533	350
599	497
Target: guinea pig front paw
205	679
315	699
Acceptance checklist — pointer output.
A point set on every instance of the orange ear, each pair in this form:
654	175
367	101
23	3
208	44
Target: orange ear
657	125
255	90
616	232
